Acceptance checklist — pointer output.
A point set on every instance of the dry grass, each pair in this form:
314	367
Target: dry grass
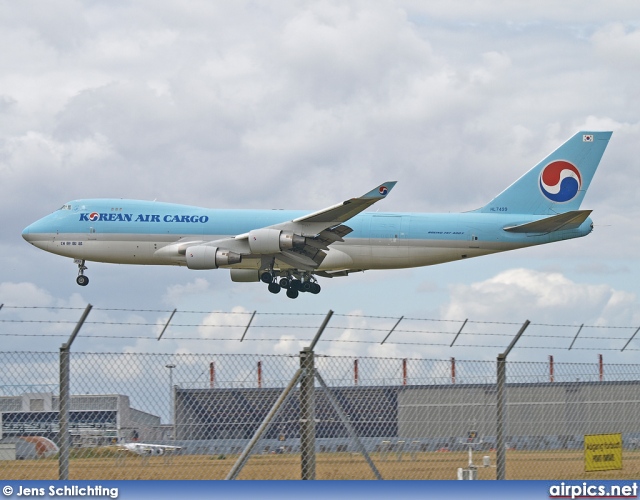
565	465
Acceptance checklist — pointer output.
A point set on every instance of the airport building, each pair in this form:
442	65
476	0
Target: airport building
551	415
237	413
95	420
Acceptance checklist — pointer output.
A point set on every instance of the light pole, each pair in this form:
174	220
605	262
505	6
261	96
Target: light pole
172	403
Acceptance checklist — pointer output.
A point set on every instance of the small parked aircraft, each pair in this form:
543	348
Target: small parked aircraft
145	449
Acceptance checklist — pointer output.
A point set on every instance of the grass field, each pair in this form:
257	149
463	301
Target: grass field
562	465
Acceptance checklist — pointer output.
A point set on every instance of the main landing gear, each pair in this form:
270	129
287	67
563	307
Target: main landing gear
291	284
81	280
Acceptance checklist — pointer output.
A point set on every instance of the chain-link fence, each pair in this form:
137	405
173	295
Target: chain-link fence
152	416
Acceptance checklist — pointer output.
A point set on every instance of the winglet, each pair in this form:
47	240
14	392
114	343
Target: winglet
381	191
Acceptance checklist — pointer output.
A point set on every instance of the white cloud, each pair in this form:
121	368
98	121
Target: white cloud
618	44
520	14
288	344
330	87
301	105
542	297
176	294
107	369
228	325
20	294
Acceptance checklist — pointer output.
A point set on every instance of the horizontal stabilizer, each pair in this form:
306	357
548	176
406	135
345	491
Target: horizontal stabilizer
568	220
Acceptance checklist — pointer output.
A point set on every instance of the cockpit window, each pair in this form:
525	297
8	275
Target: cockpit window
65	207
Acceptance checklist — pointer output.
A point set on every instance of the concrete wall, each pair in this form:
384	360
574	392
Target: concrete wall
532	409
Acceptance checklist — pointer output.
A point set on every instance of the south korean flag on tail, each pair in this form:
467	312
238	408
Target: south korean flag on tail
587	138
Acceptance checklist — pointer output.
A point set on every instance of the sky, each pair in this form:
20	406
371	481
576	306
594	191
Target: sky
300	105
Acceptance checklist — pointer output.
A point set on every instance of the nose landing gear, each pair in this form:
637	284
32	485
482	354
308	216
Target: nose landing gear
81	280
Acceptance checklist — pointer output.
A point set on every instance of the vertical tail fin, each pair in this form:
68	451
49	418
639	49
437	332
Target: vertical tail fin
558	183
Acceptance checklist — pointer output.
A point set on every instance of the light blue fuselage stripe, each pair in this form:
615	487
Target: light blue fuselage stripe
130	217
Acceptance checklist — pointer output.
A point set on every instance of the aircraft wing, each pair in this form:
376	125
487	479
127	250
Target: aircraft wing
314	223
322	228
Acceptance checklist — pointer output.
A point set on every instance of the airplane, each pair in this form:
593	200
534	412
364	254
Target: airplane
146	449
289	249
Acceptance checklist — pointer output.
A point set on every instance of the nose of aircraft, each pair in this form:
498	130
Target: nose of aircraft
35	234
25	233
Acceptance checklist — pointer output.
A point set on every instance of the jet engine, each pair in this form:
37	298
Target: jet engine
204	257
268	240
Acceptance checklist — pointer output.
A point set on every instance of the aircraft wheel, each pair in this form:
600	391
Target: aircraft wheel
306	286
82	280
295	284
266	277
292	293
274	288
315	288
284	282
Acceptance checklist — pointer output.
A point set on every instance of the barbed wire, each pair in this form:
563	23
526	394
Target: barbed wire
139	323
426	332
307	327
257	330
257	313
340	341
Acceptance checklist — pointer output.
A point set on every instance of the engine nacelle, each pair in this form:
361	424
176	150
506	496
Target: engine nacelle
204	257
245	275
268	240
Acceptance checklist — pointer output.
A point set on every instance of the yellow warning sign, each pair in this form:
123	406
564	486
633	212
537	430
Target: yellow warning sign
602	452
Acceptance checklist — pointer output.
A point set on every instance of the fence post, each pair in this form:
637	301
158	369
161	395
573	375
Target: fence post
64	441
501	454
500	445
307	415
307	405
305	377
63	436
